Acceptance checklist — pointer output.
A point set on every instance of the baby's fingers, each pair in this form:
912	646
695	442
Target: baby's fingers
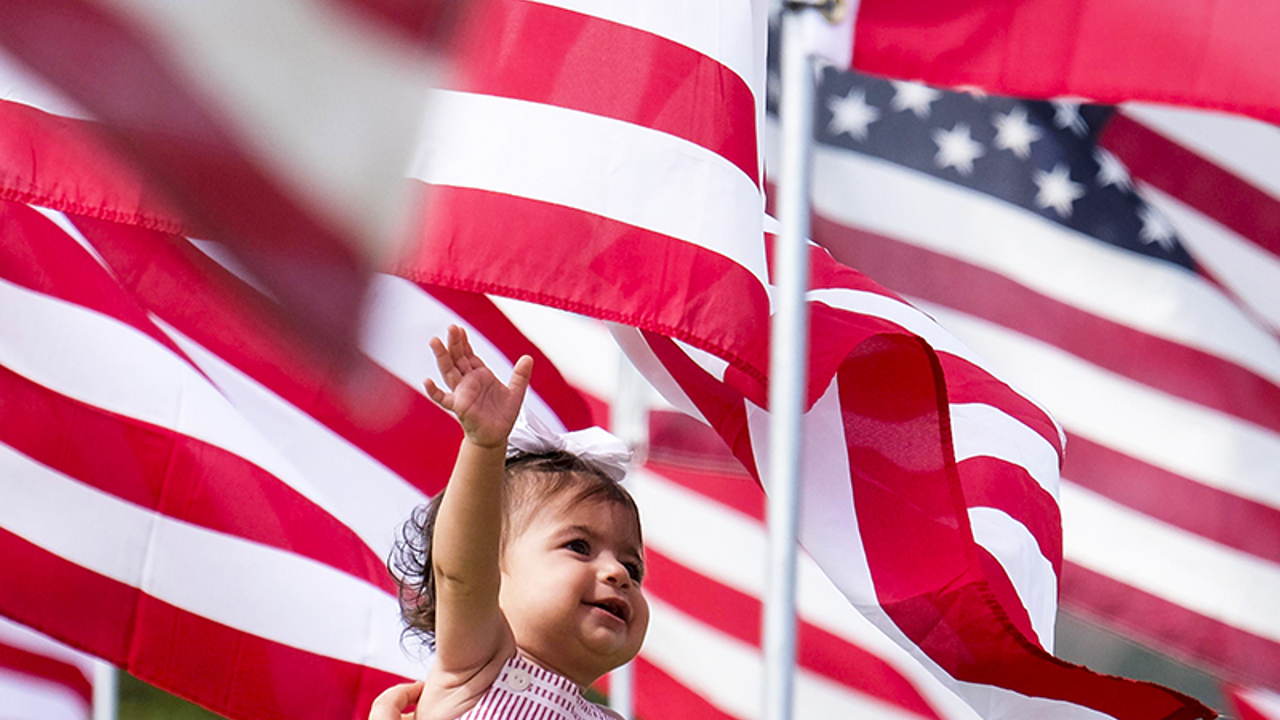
438	396
520	375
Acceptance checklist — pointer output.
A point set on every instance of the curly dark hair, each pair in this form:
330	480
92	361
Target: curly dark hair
528	482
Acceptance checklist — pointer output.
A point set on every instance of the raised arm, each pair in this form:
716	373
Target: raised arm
471	632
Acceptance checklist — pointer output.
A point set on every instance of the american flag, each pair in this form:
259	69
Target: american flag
566	187
42	679
1117	265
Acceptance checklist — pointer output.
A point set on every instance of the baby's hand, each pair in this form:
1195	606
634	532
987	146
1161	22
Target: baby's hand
484	406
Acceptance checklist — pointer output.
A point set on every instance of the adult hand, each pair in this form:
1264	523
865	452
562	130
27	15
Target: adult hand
390	705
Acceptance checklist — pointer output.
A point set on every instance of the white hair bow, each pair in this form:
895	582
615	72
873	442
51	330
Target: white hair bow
595	445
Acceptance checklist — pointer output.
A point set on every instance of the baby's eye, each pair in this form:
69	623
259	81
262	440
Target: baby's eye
581	547
635	571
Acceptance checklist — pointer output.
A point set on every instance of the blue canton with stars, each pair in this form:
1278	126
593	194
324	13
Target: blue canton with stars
1041	156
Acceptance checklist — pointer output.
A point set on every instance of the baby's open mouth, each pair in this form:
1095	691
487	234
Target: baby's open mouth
614	607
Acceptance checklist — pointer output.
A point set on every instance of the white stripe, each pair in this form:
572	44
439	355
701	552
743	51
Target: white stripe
322	97
729	673
349	484
19	85
1240	264
241	584
642	357
1187	439
398	327
985	431
579	347
1157	298
95	359
723	30
625	172
1214	580
1031	573
1248	148
24	697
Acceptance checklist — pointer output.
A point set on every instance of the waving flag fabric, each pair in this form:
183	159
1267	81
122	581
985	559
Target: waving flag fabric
203	478
41	679
1203	53
1119	266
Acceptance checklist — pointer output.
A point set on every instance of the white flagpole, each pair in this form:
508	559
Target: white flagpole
105	693
629	420
788	363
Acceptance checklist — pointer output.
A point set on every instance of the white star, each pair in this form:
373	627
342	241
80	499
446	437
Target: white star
1111	171
914	97
1013	132
1056	190
957	149
1156	228
1066	114
851	114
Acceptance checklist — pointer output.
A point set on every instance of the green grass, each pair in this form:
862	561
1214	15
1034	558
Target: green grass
140	701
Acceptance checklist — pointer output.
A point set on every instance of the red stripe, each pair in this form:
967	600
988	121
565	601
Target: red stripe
573	260
740	615
47	669
1162	364
544	54
62	163
733	489
162	470
110	67
675	439
1195	180
1215	514
205	302
569	405
928	576
1208	53
659	695
1172	628
227	671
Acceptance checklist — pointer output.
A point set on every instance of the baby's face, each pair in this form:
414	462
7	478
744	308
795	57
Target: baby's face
571	587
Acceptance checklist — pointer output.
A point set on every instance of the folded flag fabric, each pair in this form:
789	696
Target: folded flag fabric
180	459
1119	264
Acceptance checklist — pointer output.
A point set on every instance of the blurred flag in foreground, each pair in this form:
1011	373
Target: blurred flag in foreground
279	127
1214	54
41	679
1121	266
